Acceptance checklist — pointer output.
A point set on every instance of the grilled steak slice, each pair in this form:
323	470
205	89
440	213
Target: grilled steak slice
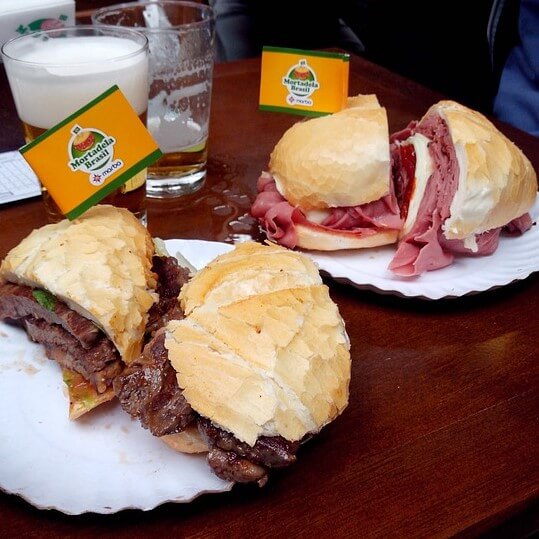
17	301
69	338
271	451
148	390
99	364
93	360
171	278
228	466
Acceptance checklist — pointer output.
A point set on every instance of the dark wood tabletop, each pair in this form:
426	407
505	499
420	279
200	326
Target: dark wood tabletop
441	435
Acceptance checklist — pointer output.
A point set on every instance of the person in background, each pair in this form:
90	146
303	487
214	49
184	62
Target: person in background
515	55
458	49
243	27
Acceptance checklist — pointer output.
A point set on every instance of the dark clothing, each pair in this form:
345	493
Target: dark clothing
243	27
444	49
517	100
458	48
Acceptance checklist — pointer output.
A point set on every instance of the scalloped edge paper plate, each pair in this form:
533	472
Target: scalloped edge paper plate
106	462
102	463
515	259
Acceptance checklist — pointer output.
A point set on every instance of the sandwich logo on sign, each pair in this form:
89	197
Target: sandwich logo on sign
77	159
301	83
92	151
42	24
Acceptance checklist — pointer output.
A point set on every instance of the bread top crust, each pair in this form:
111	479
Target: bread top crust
99	265
497	182
263	350
337	160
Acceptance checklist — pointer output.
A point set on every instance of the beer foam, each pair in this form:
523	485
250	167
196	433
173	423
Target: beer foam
69	72
67	56
171	117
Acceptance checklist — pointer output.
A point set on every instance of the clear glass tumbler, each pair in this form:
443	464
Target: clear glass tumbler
181	37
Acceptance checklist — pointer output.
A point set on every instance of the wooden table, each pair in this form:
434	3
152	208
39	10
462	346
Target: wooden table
441	434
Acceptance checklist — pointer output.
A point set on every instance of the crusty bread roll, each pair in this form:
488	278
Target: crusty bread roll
322	239
187	441
337	160
497	182
263	350
99	265
250	269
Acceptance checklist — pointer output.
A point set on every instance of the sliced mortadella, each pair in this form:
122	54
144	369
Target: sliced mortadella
278	217
421	253
420	249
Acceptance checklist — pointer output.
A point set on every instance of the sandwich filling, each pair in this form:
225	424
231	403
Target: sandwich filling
75	342
280	219
425	187
148	390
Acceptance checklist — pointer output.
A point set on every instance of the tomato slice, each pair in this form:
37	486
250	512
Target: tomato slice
408	160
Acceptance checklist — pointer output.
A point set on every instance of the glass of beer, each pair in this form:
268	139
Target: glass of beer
54	73
181	38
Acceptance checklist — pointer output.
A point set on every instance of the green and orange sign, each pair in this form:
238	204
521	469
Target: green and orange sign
92	153
311	83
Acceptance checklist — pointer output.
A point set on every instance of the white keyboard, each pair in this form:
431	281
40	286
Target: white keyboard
17	179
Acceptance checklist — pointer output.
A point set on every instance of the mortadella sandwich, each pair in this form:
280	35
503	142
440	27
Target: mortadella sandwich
329	184
459	183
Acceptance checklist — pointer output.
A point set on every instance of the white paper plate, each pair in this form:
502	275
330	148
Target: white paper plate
107	462
198	252
101	463
515	259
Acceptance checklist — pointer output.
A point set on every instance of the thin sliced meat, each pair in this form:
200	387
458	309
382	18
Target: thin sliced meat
424	253
279	218
383	213
519	225
487	243
420	250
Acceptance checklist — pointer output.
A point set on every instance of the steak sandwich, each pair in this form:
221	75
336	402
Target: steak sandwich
329	184
259	362
459	183
89	291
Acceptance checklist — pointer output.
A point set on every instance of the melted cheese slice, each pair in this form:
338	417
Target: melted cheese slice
315	216
423	171
472	202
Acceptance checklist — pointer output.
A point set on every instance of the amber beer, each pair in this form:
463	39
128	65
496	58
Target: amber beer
178	119
54	73
177	162
181	69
